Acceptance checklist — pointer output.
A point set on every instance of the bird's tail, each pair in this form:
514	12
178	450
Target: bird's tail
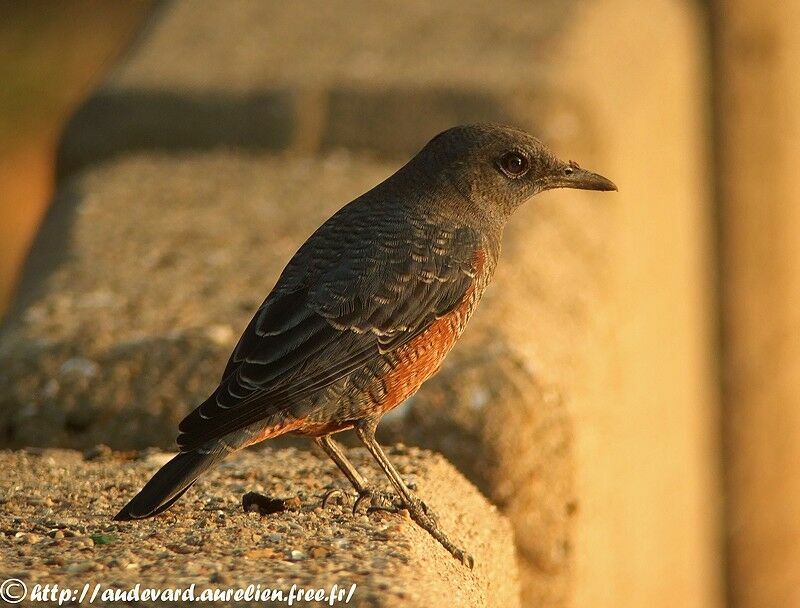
170	482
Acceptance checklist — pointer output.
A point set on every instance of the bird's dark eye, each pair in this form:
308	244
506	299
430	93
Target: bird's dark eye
514	164
568	171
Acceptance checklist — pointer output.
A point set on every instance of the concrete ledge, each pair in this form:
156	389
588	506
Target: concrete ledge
55	517
249	77
387	122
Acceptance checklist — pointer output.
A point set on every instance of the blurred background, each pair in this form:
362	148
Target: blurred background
681	379
51	54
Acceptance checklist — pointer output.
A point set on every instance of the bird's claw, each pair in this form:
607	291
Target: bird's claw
336	494
392	503
377	501
464	557
374	501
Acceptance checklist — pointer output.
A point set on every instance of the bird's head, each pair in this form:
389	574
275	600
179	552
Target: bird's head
498	168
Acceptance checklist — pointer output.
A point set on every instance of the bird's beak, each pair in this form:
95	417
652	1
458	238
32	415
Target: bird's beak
586	180
573	176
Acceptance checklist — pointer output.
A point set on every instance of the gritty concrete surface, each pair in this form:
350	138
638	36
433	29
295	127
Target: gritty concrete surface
55	528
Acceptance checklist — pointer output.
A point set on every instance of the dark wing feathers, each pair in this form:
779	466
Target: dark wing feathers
344	298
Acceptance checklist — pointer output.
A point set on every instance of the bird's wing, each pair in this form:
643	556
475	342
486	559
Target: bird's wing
322	323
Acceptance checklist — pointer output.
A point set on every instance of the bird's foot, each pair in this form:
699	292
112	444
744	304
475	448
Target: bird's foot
378	501
417	509
462	556
426	519
366	500
336	495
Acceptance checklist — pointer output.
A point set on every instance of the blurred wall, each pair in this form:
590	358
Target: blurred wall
647	420
50	54
758	148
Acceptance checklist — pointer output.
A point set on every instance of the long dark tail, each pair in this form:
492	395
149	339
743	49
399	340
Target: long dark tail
170	482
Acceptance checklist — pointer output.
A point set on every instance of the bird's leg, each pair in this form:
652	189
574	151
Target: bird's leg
334	451
366	433
418	510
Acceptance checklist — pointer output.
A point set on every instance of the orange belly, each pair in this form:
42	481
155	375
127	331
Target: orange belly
421	358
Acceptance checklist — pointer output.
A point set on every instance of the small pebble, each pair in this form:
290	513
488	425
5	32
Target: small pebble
296	555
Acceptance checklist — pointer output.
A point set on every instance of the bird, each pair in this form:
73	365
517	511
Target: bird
366	311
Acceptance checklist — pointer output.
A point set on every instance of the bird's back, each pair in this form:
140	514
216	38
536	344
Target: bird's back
330	342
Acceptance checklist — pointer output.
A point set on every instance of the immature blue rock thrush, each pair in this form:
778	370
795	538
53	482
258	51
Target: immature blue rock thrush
367	309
